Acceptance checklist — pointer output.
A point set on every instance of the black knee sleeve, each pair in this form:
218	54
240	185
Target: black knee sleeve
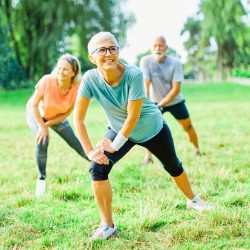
174	170
100	172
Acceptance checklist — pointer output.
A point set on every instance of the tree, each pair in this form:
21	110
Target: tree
223	21
10	70
42	30
217	32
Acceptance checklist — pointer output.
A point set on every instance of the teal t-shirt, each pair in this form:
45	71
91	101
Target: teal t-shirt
114	101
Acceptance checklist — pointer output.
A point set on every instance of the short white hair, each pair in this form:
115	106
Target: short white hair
98	37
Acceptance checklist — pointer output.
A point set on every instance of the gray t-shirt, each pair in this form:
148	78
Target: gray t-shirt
114	101
162	76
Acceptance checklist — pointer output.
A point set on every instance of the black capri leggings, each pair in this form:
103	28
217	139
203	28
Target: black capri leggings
161	145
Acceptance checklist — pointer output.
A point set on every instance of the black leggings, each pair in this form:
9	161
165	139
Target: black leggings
161	145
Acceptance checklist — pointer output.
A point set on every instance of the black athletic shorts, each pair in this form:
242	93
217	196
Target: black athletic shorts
179	110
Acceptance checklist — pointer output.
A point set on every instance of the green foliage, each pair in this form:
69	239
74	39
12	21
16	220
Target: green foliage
148	209
243	71
11	73
40	31
218	35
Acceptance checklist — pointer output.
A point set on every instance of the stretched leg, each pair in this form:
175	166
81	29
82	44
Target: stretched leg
65	131
41	150
41	158
191	133
103	196
183	184
147	158
100	183
162	146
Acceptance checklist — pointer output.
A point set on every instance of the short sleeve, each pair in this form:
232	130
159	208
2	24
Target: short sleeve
84	88
178	73
145	69
136	88
41	85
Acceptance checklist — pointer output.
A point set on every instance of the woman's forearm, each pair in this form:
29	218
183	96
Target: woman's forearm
38	117
82	134
58	118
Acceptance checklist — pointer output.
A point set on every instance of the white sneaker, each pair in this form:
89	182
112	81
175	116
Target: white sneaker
198	204
105	232
40	187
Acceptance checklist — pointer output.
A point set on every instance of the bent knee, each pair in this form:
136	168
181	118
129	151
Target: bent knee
100	172
175	169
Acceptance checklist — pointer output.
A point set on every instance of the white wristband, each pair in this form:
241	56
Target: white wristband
119	141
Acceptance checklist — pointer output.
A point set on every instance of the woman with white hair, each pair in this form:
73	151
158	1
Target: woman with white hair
133	120
49	106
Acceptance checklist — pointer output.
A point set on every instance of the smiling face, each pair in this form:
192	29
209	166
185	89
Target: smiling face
64	70
159	49
108	61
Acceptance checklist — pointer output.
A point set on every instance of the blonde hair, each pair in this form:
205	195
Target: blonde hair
74	62
98	37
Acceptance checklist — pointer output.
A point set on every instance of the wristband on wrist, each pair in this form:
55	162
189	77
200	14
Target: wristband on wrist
119	141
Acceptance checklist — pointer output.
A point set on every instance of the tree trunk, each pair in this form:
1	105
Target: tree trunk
219	67
228	73
16	48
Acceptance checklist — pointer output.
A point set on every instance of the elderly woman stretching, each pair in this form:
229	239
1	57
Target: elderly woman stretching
133	120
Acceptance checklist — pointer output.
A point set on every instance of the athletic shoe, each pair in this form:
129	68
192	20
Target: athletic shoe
40	187
198	204
147	161
105	232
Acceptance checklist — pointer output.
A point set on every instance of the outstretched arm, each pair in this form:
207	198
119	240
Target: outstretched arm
146	86
81	107
43	131
134	111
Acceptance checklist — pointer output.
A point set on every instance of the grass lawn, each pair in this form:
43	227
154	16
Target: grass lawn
148	209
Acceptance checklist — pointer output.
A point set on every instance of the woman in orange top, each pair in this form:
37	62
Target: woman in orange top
49	106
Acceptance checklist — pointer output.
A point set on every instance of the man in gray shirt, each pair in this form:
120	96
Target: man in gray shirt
162	79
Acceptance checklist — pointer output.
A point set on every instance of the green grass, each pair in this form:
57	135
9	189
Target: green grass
149	210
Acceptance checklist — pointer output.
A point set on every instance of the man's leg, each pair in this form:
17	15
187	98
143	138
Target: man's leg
191	133
181	114
148	158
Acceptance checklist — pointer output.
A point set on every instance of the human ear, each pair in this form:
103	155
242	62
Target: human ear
92	59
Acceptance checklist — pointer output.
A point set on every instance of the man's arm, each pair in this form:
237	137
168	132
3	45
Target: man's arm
146	86
176	88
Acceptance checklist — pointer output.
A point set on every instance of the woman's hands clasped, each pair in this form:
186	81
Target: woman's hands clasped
97	155
105	144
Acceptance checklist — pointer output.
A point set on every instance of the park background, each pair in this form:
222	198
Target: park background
148	209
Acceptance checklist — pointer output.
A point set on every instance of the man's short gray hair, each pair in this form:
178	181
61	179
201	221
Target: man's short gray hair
98	37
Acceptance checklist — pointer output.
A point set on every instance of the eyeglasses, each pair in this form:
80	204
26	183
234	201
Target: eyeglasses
103	51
